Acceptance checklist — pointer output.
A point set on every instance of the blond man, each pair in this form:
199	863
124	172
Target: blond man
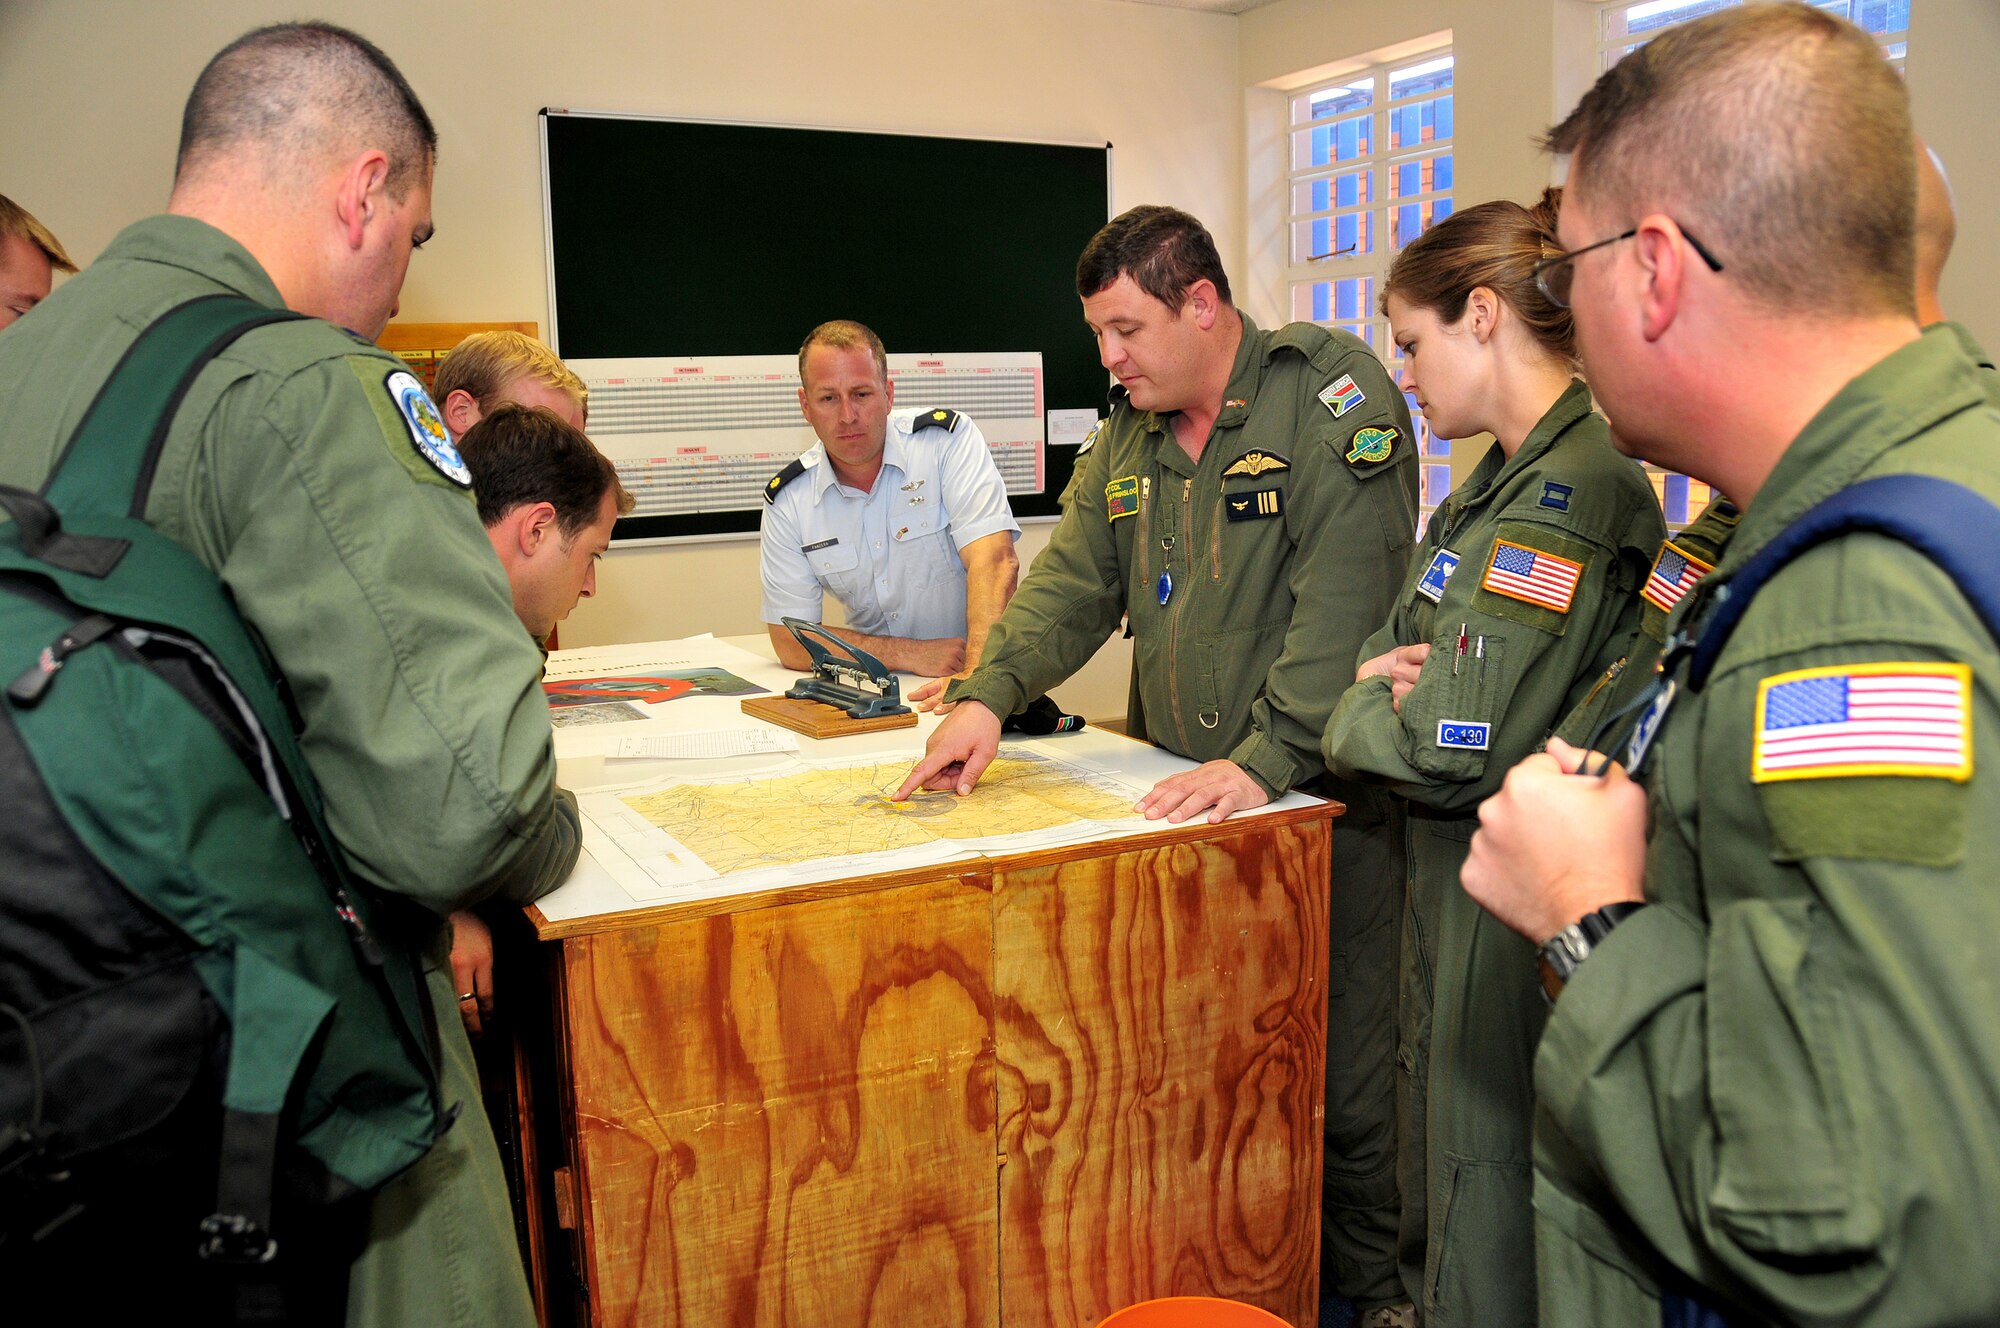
30	256
489	368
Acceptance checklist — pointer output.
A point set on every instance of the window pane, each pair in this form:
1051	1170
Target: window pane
1318	105
1410	220
1437	482
1343	140
1655	15
1430	76
1348	189
1354	297
1420	122
1419	175
1325	238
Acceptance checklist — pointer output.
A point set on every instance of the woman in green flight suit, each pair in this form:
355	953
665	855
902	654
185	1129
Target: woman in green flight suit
1523	592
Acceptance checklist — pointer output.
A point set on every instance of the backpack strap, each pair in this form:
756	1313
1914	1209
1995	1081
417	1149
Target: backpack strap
106	468
1948	523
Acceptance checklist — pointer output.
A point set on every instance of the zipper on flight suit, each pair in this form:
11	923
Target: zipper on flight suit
1174	606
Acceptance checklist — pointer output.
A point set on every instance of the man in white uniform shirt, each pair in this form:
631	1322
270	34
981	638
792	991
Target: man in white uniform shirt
900	514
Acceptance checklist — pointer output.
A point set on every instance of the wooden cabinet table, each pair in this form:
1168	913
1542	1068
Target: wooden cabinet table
1021	1089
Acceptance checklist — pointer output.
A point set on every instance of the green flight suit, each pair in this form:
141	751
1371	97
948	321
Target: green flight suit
292	473
1780	1079
1285	542
1470	1008
1684	558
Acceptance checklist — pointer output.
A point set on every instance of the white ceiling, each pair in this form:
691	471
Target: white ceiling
1210	6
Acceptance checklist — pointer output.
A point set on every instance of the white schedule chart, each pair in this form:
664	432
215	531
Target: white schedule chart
692	435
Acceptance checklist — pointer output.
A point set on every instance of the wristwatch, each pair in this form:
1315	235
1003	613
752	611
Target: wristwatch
1564	952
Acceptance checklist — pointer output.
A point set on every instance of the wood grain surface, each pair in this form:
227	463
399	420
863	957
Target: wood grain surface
785	1117
1160	1026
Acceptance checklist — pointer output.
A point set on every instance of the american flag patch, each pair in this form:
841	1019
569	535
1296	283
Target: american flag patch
1520	572
1865	719
1675	572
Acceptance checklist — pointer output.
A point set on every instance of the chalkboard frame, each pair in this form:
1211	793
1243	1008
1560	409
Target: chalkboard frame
884	221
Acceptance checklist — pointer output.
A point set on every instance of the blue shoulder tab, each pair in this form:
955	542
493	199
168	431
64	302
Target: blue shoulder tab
934	419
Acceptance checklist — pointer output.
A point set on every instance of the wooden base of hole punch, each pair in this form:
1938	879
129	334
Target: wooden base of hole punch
817	719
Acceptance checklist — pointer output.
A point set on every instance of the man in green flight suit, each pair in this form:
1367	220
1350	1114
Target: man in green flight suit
1250	504
308	469
1767	1087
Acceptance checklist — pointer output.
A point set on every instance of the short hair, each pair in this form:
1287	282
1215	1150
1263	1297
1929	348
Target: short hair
292	91
1496	245
526	454
486	363
17	220
1164	250
844	334
1780	134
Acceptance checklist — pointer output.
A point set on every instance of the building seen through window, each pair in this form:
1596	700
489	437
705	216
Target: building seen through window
1371	166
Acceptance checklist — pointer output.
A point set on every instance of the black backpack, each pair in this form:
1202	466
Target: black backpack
194	994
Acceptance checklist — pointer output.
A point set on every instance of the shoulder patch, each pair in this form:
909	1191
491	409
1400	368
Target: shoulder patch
934	419
1371	446
1675	572
1090	439
1865	719
1556	496
1341	395
1257	462
427	432
782	478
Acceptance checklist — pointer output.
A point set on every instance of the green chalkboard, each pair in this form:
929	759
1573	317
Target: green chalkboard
684	237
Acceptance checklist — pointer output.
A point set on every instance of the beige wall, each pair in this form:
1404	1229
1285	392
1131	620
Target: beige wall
1954	56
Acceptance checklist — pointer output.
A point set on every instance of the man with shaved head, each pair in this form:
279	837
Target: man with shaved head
1766	1091
1937	228
310	471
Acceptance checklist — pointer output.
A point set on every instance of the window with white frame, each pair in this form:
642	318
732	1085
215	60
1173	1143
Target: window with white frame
1628	26
1370	167
1624	28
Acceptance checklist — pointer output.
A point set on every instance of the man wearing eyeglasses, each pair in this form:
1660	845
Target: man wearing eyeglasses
1768	1086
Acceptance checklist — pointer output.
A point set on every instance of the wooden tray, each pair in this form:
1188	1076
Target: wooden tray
817	719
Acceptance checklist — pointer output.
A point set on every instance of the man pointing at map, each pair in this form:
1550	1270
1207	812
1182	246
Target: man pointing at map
1249	505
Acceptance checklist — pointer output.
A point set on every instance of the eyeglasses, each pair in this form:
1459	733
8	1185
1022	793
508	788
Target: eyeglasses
1553	276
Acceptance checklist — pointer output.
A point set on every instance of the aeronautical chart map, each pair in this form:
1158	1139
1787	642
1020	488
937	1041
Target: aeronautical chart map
808	820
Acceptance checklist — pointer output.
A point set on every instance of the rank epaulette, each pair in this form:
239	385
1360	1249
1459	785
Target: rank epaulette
782	478
934	419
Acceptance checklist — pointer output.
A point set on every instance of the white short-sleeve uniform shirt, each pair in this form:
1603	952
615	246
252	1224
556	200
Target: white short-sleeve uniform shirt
890	555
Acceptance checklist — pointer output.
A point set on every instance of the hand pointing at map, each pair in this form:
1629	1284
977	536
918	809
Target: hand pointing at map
958	752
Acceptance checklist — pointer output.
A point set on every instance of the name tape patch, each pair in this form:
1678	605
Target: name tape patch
1121	497
1467	734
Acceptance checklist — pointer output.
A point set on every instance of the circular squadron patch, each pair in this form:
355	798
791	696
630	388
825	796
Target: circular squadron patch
427	432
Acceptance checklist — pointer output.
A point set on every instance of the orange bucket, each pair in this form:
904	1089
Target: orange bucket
1193	1312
